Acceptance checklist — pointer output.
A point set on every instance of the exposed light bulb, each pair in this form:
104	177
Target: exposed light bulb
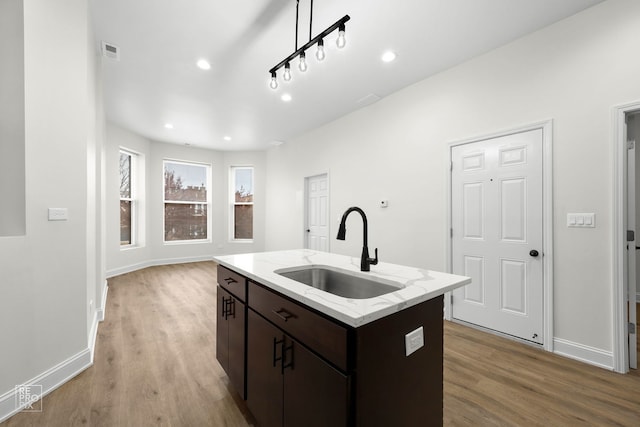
320	55
302	65
341	41
273	84
287	72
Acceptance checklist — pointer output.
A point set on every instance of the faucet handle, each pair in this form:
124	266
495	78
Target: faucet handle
374	261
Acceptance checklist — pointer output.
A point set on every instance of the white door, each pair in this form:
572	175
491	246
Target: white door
631	251
496	217
317	207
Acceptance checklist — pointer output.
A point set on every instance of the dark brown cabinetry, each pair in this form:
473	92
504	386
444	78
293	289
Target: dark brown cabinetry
288	385
304	368
231	328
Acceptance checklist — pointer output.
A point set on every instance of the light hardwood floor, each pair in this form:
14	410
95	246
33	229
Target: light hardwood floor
155	365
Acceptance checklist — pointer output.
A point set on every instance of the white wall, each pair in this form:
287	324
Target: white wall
49	275
153	250
12	165
573	72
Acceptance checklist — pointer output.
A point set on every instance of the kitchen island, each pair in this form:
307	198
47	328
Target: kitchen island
304	356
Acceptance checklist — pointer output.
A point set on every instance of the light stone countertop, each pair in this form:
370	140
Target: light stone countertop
414	285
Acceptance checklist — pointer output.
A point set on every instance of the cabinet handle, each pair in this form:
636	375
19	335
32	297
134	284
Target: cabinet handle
231	308
230	280
223	309
287	362
283	314
275	350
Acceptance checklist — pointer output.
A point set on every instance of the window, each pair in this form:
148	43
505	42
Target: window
127	199
186	201
242	203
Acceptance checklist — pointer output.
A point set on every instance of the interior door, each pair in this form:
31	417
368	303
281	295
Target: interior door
632	245
317	231
496	206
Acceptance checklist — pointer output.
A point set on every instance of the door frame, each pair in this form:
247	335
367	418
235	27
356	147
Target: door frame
619	224
305	239
547	219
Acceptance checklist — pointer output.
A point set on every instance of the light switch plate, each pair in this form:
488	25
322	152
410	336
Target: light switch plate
413	341
58	214
581	220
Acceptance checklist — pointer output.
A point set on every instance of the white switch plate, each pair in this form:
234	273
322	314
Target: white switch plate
413	341
581	220
58	214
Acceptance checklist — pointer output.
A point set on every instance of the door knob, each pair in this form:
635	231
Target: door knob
533	253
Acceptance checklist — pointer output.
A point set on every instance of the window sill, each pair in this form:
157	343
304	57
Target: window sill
187	242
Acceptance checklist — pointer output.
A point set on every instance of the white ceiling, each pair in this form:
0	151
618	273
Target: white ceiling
156	80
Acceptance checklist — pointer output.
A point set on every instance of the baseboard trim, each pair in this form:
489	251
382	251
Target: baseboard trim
49	380
151	263
584	353
93	335
103	305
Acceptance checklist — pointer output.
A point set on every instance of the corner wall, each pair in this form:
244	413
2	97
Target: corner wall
48	276
397	149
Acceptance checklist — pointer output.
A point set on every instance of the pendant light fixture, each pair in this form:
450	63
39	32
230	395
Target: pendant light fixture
300	52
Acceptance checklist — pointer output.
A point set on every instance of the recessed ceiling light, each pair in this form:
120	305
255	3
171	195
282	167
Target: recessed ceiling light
203	64
227	138
168	125
388	56
286	97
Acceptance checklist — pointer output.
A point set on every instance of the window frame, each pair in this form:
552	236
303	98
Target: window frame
132	199
233	203
207	203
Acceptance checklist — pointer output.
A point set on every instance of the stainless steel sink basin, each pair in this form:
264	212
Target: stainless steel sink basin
338	282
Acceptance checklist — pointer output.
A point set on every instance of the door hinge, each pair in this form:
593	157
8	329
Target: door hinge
451	298
451	232
631	145
631	235
450	166
632	328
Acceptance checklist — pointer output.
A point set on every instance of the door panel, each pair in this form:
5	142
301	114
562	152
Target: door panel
315	394
264	376
317	213
496	205
222	330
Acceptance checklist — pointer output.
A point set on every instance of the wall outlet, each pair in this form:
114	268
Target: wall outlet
413	341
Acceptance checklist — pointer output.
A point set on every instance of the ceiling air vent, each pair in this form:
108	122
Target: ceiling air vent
110	51
368	100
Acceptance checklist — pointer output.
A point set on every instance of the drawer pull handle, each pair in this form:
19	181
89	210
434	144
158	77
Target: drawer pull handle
230	280
283	314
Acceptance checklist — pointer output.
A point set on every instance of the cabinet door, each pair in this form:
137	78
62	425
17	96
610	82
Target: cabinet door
236	366
315	394
222	329
264	374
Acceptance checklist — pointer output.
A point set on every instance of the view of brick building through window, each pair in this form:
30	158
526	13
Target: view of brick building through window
242	201
185	201
126	199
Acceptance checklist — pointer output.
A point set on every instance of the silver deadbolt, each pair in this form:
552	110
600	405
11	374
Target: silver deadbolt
533	253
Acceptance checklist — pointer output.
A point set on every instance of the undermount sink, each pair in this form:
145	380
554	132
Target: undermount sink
338	282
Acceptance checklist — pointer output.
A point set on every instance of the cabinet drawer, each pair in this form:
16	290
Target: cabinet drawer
318	333
232	282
